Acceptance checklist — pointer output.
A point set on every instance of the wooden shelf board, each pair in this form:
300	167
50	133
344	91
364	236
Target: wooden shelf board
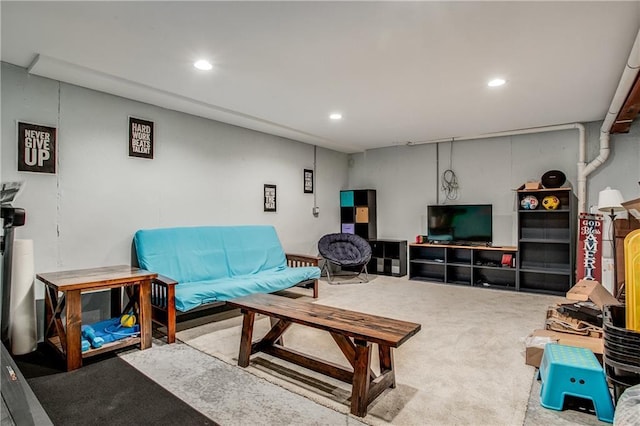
545	240
544	211
456	246
107	347
548	271
428	279
544	190
496	268
427	262
465	264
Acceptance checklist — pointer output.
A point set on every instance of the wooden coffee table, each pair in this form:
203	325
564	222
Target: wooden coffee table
67	341
353	332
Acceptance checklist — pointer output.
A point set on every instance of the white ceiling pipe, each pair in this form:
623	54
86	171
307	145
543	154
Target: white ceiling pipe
585	169
624	86
553	128
626	81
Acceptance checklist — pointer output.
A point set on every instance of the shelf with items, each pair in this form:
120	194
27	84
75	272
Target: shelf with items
495	277
426	263
388	257
358	213
458	274
464	265
547	240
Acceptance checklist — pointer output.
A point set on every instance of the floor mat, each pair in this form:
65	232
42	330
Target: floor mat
103	391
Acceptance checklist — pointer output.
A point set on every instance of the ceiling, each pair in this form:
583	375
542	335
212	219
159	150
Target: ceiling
399	72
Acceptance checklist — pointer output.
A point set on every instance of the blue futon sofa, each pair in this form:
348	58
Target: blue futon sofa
208	265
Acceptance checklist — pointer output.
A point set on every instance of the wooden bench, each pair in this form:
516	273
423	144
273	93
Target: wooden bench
353	332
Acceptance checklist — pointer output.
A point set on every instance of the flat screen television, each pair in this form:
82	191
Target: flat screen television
460	223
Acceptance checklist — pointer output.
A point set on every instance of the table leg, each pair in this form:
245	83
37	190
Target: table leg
144	313
74	332
386	363
116	302
53	312
360	392
245	340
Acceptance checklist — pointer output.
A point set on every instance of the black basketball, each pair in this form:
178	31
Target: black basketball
553	179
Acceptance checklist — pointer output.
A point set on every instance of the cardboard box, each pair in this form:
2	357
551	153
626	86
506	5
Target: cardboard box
362	214
535	344
591	290
532	184
563	323
633	207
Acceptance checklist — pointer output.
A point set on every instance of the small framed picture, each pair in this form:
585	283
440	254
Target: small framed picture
308	181
140	138
269	198
36	148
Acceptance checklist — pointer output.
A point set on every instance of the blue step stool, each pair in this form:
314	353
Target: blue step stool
567	370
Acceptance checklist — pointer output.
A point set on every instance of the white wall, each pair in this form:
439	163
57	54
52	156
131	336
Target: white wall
206	172
408	178
203	173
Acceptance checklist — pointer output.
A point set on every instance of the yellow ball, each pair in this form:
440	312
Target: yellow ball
128	320
550	202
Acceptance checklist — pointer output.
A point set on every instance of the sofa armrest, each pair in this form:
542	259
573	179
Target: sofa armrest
295	260
299	260
163	302
165	281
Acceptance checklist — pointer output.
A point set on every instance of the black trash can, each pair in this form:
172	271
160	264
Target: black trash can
621	350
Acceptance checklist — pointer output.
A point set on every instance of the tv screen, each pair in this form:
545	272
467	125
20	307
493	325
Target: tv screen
461	223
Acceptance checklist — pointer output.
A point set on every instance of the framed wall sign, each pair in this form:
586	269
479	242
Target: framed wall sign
36	148
269	198
589	247
308	181
140	138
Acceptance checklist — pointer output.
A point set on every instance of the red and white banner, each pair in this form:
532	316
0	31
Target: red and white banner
589	261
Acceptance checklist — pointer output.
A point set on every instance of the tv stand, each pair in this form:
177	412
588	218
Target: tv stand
464	264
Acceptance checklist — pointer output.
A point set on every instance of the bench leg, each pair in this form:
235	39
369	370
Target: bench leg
245	340
386	364
273	321
360	392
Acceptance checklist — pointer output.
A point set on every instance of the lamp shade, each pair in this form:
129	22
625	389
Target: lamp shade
610	200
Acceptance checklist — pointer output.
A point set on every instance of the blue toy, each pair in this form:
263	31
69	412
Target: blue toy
85	345
89	334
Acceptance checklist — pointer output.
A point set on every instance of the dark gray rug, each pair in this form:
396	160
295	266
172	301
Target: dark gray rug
104	391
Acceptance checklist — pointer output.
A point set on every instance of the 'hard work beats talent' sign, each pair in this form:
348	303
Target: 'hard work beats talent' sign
140	138
36	148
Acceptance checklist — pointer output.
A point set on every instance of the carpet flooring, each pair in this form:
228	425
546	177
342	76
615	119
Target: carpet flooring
466	366
106	391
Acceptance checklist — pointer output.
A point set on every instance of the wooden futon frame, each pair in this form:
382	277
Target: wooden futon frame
163	306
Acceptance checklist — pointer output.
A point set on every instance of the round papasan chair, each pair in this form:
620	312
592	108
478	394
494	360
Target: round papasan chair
346	251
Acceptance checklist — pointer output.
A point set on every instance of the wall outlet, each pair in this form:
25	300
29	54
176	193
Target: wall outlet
316	211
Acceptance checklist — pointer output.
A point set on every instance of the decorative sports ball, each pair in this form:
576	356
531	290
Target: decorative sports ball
529	202
128	320
553	179
550	202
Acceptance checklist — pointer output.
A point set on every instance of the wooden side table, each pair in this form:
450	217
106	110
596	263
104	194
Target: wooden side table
67	340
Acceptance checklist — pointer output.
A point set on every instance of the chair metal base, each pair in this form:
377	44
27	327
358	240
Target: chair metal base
331	280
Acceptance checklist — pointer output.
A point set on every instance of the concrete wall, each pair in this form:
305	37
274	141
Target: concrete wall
203	173
408	178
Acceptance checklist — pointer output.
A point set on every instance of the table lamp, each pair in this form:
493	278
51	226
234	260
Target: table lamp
610	202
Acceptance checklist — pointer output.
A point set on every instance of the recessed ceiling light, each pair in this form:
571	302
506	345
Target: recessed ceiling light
203	65
496	82
335	116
